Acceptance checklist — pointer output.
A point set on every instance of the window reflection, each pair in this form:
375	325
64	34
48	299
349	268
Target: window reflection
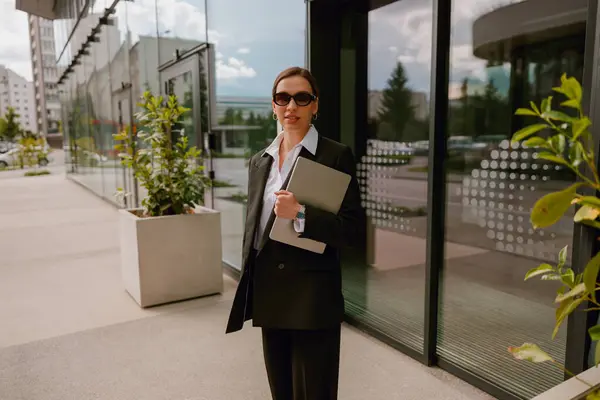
502	58
387	290
248	58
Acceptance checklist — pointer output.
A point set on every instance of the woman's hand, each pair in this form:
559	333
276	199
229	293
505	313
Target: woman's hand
286	205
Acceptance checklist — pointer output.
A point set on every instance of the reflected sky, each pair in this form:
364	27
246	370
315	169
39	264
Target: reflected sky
264	36
404	34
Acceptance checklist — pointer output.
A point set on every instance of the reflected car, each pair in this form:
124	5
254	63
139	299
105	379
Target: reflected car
465	143
86	157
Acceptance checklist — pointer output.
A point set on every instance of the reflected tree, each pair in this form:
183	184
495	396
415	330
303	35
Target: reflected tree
396	110
260	138
477	114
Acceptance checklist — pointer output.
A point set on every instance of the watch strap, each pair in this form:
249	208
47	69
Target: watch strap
302	213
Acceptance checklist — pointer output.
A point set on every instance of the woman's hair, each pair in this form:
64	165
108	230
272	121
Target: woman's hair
297	71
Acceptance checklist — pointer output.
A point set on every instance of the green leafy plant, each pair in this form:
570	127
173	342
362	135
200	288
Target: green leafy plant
565	140
37	173
32	151
10	128
165	164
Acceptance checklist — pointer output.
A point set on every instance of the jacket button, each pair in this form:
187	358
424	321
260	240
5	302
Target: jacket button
281	266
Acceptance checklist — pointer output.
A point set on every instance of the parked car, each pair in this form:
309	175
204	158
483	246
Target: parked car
11	158
6	146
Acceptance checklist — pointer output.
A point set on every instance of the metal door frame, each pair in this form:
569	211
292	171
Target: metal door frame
189	61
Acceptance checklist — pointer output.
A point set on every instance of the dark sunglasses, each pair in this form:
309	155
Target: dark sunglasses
301	98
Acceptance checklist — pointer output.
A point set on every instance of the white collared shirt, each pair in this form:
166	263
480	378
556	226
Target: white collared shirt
277	177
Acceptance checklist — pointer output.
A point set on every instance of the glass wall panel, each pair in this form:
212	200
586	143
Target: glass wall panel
386	288
253	44
122	63
502	57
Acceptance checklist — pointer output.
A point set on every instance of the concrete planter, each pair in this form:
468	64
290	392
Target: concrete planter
172	258
573	389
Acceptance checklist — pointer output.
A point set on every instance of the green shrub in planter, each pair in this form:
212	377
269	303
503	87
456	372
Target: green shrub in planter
569	144
166	166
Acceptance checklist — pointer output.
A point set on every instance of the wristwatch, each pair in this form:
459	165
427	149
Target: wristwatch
301	213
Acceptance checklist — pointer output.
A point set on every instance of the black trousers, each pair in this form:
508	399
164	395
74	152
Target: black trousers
302	364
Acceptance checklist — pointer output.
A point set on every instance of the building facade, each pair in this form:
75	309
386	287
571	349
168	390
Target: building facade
18	93
424	92
45	78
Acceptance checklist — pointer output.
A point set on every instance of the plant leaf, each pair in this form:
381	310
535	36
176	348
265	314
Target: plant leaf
575	154
586	213
597	354
528	131
590	275
541	269
535	142
526	111
566	307
551	207
595	395
594	332
589	200
562	256
546	105
593	224
551	157
568	278
580	125
557	116
561	142
570	103
530	352
577	290
574	90
551	277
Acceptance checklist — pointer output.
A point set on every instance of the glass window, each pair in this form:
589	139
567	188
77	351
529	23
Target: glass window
492	185
385	287
248	58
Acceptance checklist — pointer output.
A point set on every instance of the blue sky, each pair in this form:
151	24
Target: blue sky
256	39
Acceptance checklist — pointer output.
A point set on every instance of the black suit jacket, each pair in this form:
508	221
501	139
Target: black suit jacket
285	287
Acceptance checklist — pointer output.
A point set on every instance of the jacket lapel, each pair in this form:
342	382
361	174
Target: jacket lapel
258	180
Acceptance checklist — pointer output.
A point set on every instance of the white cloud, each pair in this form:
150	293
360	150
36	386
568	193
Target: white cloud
14	39
244	50
462	58
404	30
176	18
234	68
406	59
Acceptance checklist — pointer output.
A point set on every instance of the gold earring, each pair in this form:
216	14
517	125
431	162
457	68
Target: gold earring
274	117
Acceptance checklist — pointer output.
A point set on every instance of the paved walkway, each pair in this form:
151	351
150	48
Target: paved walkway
69	330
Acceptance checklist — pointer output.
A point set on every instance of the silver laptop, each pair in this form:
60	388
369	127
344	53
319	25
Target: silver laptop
316	185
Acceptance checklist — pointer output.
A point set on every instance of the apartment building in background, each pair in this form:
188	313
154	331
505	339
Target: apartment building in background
45	78
18	93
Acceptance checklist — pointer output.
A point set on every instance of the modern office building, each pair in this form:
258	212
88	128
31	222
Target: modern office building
45	78
424	91
18	93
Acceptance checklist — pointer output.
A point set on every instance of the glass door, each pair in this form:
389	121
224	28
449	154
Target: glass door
188	77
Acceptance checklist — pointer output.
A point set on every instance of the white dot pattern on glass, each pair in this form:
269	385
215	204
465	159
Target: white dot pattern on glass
374	172
502	202
498	196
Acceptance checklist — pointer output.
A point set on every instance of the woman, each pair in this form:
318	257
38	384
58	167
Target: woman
295	295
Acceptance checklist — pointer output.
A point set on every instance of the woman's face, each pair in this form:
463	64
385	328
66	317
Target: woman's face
292	116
